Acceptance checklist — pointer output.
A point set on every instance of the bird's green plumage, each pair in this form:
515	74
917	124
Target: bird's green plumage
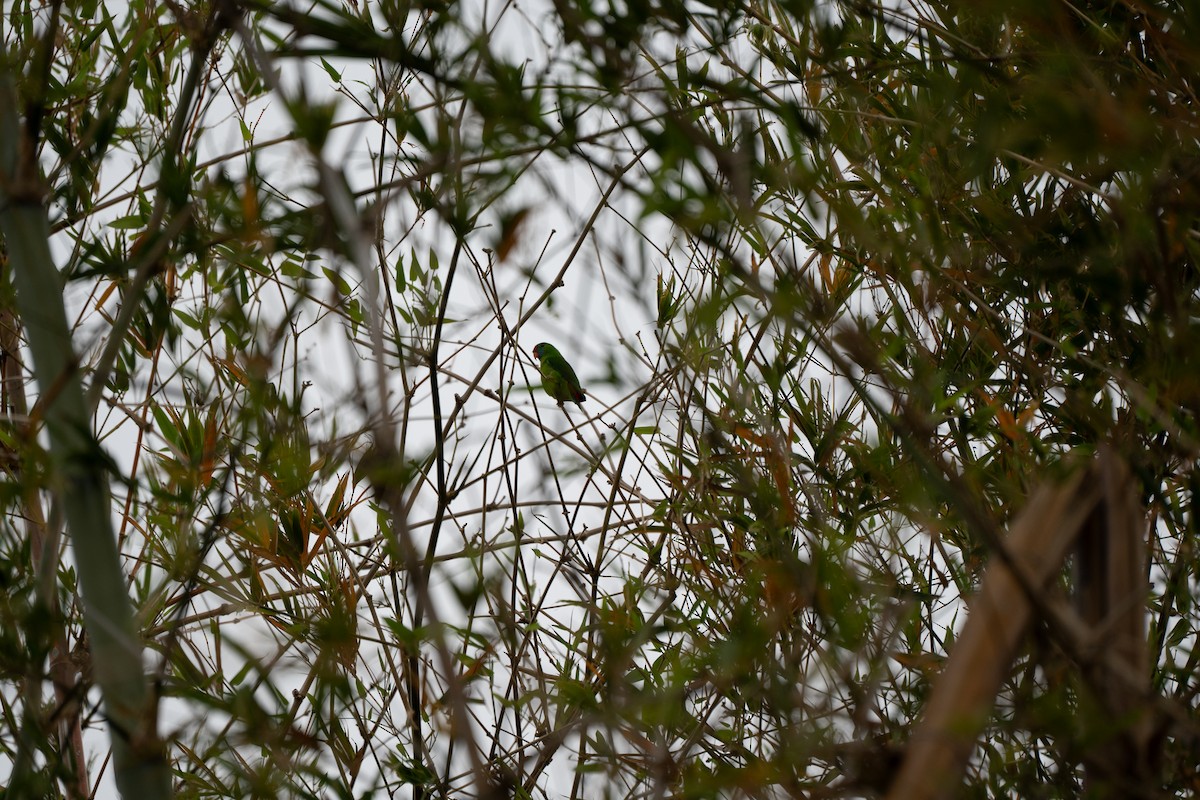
558	379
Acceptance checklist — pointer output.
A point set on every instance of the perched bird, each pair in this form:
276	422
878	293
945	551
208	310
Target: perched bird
558	379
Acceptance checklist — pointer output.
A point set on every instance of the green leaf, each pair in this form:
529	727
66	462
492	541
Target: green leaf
131	222
340	283
333	73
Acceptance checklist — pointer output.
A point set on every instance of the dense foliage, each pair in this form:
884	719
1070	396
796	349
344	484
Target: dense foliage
844	282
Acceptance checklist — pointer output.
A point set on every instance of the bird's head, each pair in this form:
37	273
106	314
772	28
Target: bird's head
542	349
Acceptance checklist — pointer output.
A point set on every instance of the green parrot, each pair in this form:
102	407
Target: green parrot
558	378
